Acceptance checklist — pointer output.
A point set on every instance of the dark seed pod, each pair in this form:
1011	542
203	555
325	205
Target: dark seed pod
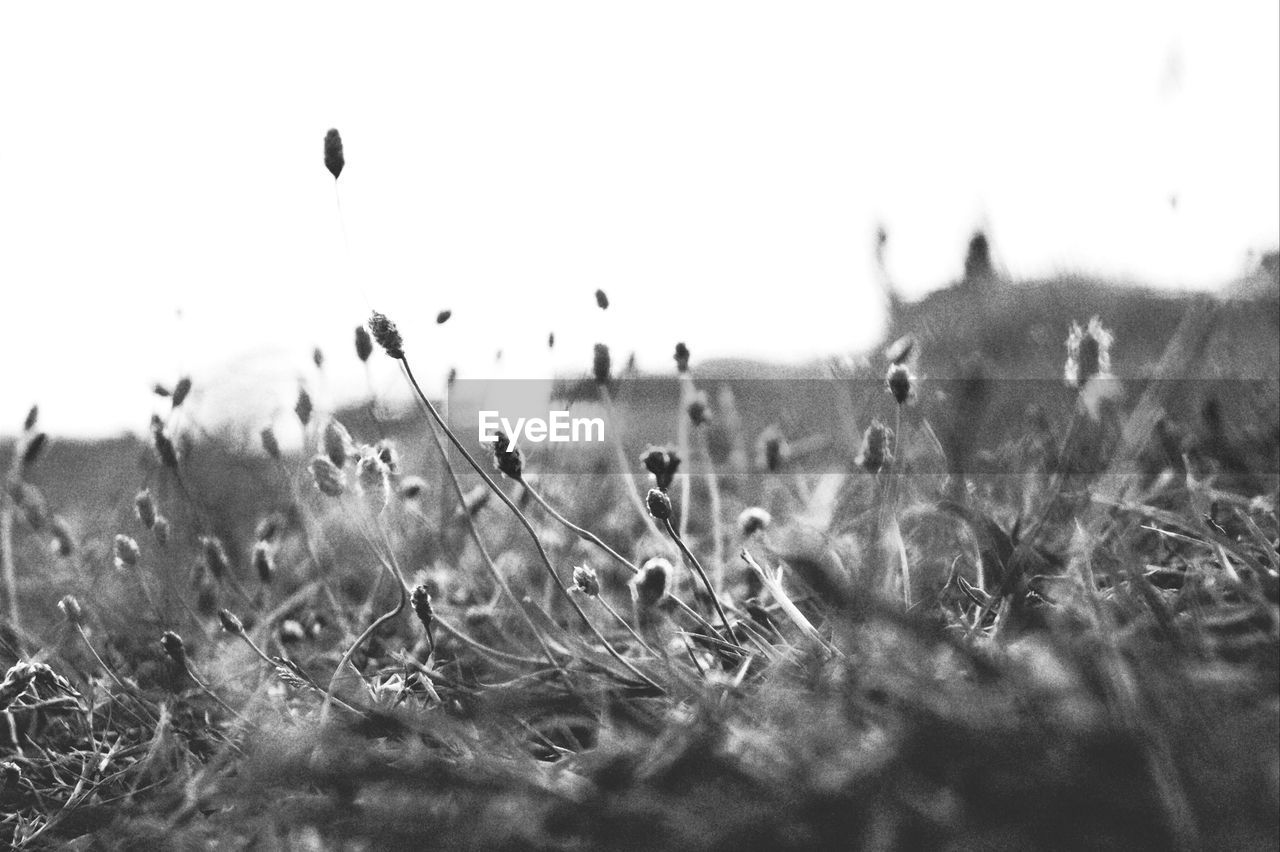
33	448
174	647
650	585
682	358
601	364
443	317
364	343
386	334
145	507
303	407
230	622
898	380
662	463
215	556
263	562
507	460
180	391
421	601
317	358
33	415
602	300
333	156
269	443
659	504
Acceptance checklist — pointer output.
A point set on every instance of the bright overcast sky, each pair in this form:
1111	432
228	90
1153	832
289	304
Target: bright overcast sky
718	168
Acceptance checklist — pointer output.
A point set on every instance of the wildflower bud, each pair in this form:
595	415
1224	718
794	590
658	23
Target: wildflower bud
898	381
263	562
699	409
752	520
650	585
269	443
659	504
1088	353
161	530
384	331
601	364
215	556
372	476
364	343
63	543
165	449
333	156
303	407
443	317
145	507
875	454
421	601
662	463
328	477
682	358
336	442
126	551
586	581
387	455
33	447
33	415
180	391
412	487
602	300
551	340
773	449
71	609
174	647
509	461
230	622
160	390
317	358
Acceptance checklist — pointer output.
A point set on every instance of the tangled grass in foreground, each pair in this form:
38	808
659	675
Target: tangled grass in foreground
1105	677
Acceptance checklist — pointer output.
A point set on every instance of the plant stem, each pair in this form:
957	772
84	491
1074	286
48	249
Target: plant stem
702	575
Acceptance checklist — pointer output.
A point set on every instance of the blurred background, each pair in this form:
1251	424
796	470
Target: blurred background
720	170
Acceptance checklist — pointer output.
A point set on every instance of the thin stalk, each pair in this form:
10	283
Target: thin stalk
524	521
682	443
585	534
702	575
717	508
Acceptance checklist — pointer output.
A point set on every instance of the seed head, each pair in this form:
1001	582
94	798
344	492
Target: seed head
215	555
263	562
303	406
174	647
269	442
230	622
71	609
33	415
165	449
373	478
699	409
443	317
333	157
551	340
1088	353
602	300
145	507
126	551
160	390
364	343
586	581
898	381
31	451
875	454
773	449
650	585
659	504
662	463
317	358
32	503
328	477
180	391
601	364
682	358
420	598
507	460
161	530
752	520
386	334
900	351
336	442
388	455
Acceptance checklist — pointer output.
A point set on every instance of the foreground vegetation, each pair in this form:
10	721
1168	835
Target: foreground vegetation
993	614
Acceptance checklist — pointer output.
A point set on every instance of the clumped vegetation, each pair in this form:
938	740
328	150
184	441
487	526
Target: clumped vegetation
1059	631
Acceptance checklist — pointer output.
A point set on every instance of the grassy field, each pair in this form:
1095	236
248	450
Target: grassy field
951	602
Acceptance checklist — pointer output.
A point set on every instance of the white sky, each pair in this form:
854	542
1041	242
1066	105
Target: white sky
718	168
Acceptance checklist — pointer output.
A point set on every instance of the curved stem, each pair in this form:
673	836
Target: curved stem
524	521
360	640
702	575
585	534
